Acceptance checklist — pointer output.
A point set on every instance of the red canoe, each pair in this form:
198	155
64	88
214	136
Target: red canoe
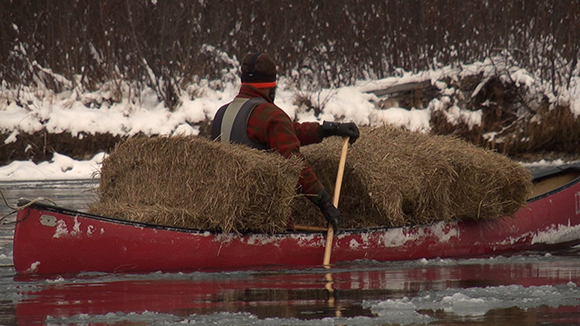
50	239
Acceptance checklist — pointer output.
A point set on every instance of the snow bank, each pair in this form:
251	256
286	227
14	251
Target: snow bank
29	110
60	167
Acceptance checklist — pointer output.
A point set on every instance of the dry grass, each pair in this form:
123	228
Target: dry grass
196	183
395	177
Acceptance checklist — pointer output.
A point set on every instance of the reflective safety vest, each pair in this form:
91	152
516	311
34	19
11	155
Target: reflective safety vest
230	124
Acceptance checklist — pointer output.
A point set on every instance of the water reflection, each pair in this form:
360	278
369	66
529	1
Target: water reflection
357	291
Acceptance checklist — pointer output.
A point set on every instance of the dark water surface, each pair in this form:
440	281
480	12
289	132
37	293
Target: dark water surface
533	288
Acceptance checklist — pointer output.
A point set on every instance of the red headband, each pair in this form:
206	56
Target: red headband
262	85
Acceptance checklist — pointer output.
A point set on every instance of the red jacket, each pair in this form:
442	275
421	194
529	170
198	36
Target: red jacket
271	126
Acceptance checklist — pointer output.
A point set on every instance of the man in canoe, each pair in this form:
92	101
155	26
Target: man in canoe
254	120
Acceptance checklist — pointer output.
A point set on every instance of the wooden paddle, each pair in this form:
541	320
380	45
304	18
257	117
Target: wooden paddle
330	233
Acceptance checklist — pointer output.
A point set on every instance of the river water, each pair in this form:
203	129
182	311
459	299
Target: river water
532	288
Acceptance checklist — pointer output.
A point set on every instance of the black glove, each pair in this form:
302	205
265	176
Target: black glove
331	214
347	129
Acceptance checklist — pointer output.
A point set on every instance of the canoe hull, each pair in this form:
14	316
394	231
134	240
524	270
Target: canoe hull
54	240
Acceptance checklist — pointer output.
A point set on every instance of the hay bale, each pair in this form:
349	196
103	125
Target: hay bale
395	177
392	177
196	183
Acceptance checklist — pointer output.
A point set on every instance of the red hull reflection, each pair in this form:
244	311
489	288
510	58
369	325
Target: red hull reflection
283	294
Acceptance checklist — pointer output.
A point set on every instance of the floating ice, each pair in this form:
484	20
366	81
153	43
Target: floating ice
478	301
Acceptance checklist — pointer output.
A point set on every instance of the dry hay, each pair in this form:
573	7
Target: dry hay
196	183
395	177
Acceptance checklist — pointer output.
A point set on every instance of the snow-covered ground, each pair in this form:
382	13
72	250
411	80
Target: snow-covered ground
27	110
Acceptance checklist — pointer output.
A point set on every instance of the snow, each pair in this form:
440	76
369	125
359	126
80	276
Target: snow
61	167
558	233
29	110
575	97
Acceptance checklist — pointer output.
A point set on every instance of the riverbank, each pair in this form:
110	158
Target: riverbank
491	104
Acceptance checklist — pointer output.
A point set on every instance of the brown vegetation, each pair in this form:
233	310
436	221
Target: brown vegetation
396	177
329	43
393	177
170	45
513	121
196	183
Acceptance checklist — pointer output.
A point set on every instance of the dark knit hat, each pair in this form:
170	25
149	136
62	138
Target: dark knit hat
258	68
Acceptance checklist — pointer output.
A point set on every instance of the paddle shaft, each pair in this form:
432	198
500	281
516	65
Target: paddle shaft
330	233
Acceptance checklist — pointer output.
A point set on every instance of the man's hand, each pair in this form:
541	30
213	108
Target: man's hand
331	214
347	129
